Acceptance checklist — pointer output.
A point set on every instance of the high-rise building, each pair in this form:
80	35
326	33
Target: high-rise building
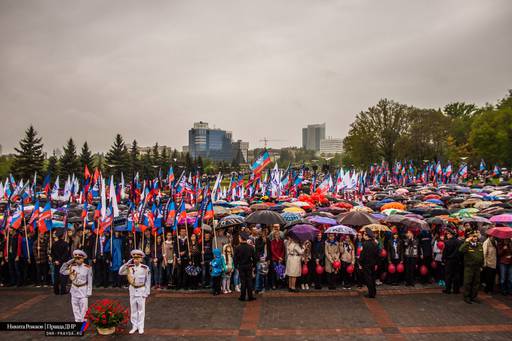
331	146
243	147
312	135
209	143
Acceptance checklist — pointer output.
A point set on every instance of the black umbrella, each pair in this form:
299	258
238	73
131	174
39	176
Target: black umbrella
231	220
357	218
265	217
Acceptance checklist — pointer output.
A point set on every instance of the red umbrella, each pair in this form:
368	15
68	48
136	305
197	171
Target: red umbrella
501	232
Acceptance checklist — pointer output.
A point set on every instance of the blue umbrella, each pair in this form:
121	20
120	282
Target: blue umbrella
435	201
341	229
322	220
290	217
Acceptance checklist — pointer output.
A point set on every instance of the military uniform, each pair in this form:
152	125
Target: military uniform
81	284
139	277
473	262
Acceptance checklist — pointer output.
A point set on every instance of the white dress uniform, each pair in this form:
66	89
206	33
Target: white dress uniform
81	285
140	286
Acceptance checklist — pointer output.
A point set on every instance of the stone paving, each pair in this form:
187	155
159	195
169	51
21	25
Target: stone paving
397	314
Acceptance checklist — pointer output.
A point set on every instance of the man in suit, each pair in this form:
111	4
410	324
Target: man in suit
368	260
245	261
60	255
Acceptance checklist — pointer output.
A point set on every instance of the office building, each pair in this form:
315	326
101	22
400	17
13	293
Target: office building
209	143
331	146
312	135
243	147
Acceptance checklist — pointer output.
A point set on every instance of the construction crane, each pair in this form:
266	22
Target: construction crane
266	141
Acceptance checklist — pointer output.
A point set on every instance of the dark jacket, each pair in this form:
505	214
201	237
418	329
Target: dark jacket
261	246
451	249
245	257
426	246
411	248
318	251
60	251
369	254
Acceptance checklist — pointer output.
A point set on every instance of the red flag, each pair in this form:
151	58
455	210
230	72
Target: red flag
87	175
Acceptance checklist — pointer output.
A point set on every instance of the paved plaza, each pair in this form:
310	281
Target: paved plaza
396	314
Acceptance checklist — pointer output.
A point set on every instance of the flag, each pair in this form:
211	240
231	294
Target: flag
209	213
17	218
261	162
35	213
482	165
87	175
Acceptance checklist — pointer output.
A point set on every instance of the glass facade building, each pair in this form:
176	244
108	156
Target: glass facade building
213	144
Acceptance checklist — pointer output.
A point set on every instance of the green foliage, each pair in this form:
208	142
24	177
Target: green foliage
117	159
52	166
29	156
69	162
6	162
491	136
86	158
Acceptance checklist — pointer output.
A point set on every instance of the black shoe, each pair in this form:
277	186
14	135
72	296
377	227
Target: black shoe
252	299
368	296
456	292
476	300
241	299
467	300
446	292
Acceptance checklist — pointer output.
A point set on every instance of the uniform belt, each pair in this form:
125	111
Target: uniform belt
79	285
138	286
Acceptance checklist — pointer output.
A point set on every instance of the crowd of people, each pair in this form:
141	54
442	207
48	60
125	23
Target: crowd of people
261	258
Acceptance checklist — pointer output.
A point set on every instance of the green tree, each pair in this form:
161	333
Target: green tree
147	166
118	158
86	158
69	162
491	134
29	156
6	162
52	167
135	163
379	128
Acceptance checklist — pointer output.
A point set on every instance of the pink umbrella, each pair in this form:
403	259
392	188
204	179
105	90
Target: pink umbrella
502	218
500	232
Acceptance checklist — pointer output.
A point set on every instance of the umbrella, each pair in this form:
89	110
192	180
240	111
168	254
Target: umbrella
303	232
239	203
257	207
393	205
476	219
392	211
341	229
502	218
265	217
219	210
378	227
231	220
361	209
295	209
357	218
290	217
321	220
500	232
435	201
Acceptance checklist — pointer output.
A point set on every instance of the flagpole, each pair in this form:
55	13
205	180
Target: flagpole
26	236
96	242
188	242
83	232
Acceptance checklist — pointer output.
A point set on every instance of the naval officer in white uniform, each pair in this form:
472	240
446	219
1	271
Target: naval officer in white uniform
80	275
139	278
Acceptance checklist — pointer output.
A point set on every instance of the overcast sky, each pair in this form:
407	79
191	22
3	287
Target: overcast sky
149	69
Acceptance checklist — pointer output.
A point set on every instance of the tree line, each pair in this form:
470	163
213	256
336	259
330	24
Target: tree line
391	131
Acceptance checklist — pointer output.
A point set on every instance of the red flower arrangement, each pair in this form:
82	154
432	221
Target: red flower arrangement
107	314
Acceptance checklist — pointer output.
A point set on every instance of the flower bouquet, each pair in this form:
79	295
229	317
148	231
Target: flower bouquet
107	315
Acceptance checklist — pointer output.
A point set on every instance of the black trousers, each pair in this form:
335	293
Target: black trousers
246	283
42	273
331	280
410	268
59	286
216	284
369	278
489	275
452	275
181	280
101	271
